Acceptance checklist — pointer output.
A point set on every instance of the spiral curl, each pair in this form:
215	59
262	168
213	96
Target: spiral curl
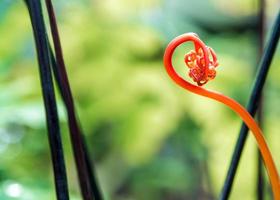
202	69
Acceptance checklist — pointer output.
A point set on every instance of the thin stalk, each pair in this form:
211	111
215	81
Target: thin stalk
260	114
87	178
90	167
252	106
235	106
35	12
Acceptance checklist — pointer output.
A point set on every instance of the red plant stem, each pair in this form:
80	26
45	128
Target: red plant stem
235	106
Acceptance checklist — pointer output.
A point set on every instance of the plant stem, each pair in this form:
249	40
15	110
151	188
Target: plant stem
252	106
87	179
39	31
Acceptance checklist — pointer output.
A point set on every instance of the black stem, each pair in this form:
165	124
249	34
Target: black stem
252	106
35	12
87	178
260	185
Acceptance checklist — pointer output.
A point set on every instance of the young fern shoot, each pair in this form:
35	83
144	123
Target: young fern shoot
202	62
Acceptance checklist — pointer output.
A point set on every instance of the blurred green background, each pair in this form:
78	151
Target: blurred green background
150	139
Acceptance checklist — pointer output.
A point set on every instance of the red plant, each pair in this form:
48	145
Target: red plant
202	69
202	63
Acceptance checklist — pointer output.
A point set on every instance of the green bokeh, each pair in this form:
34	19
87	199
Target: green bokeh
150	139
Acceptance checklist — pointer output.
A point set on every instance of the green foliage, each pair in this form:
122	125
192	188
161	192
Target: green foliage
149	138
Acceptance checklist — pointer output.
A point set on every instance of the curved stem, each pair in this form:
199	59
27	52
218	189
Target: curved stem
235	106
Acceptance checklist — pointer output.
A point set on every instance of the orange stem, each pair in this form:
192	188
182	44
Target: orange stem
235	106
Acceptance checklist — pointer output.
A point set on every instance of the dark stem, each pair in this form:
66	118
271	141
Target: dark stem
260	114
252	106
87	178
35	11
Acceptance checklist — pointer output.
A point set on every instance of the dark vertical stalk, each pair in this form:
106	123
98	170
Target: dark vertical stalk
260	114
264	66
35	11
87	179
91	171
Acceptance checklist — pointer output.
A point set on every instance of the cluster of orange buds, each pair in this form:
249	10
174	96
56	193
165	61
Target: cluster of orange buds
201	72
